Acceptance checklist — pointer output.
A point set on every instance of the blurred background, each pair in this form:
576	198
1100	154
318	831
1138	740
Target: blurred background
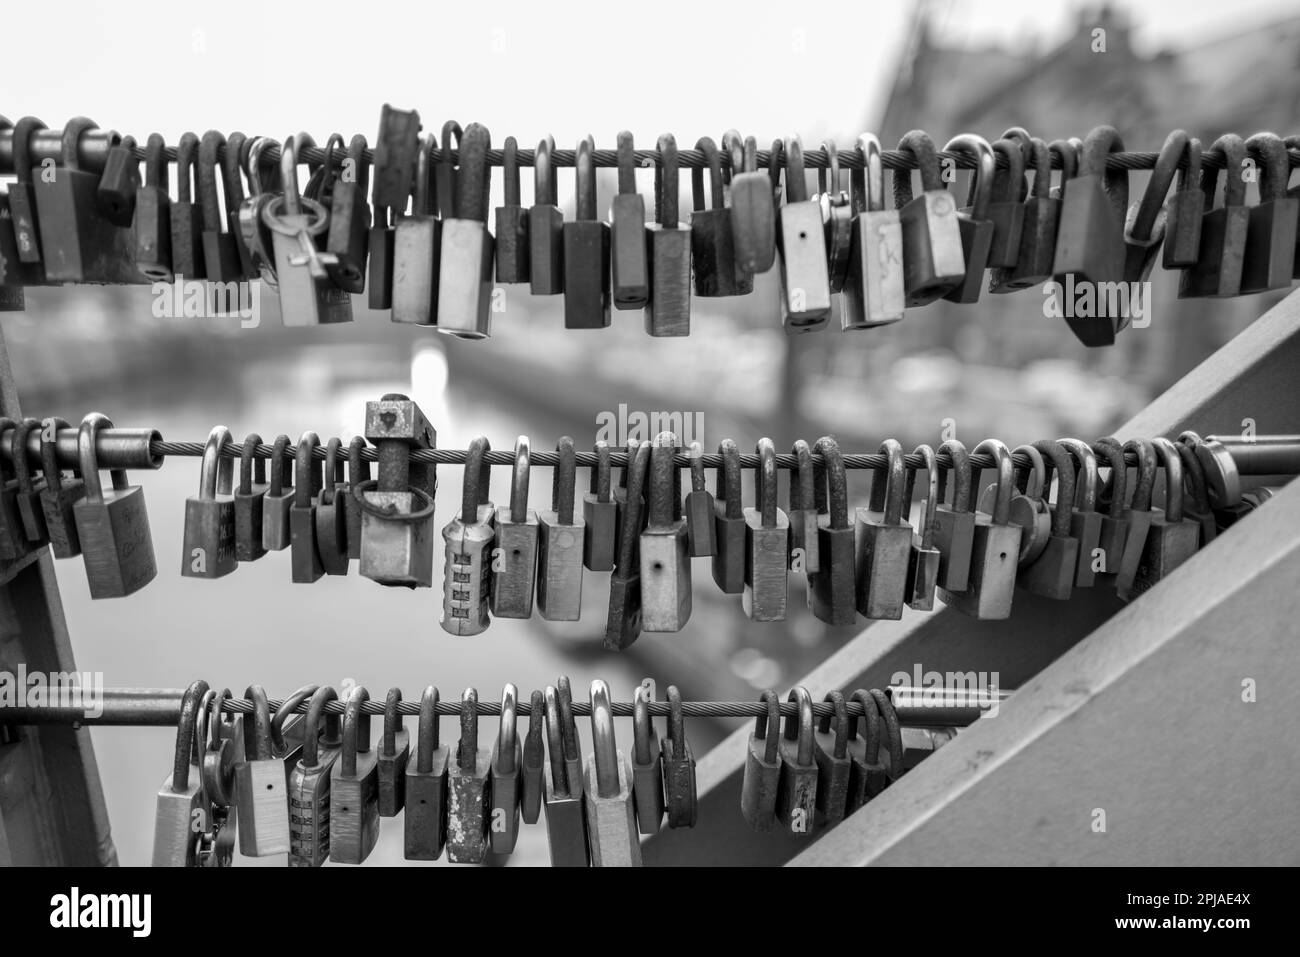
997	368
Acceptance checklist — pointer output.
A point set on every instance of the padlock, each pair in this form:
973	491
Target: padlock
995	548
532	786
883	540
22	203
309	784
260	785
837	218
307	296
874	293
934	262
767	544
608	799
514	551
217	761
801	510
209	541
13	537
974	220
397	509
396	152
425	827
796	799
1198	509
627	233
713	250
1090	239
250	499
288	730
232	170
801	241
923	555
1036	255
729	522
623	621
1053	573
78	242
566	821
868	774
30	512
12	297
511	221
1029	508
762	779
1185	208
255	235
1006	205
468	549
753	212
279	499
354	787
664	549
834	766
545	227
560	543
185	216
832	591
307	483
1114	528
701	532
1173	538
586	250
112	525
681	801
59	495
394	755
1220	260
668	313
350	220
619	494
1146	221
1085	520
466	250
116	193
1271	231
181	802
647	763
219	249
955	524
599	516
152	224
1138	517
506	760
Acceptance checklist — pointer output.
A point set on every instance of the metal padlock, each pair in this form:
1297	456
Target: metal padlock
834	766
701	531
599	516
532	774
586	251
801	510
566	821
260	785
507	759
397	148
209	542
250	501
545	227
560	544
1114	528
354	787
628	255
1006	204
668	313
425	827
181	803
837	218
933	261
874	294
220	252
30	512
767	544
466	251
514	552
59	495
954	533
883	540
923	556
753	211
729	522
681	801
13	537
279	498
623	622
1198	509
511	221
796	799
1146	221
468	549
1186	207
394	755
1173	538
221	741
1041	214
152	224
974	220
608	798
116	193
801	241
665	552
995	548
186	216
619	494
237	149
713	249
1085	520
307	483
1052	573
350	220
12	297
22	202
417	246
647	763
1138	516
1271	231
112	525
309	784
832	591
397	509
762	780
1029	507
868	774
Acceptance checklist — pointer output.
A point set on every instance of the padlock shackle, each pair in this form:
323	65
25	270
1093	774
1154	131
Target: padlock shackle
1085	494
828	176
1100	142
1274	165
519	480
186	154
642	725
289	172
661	497
840	715
626	164
253	168
478	475
1030	480
767	727
1060	460
868	183
49	451
584	171
713	162
737	159
1001	513
1195	475
1041	156
312	725
922	149
765	487
555	743
353	738
727	487
676	720
599	474
72	133
1146	473
889	498
568	726
445	173
507	733
871	717
307	479
698	478
1157	188
258	745
1028	157
534	743
212	142
332	474
932	494
544	186
510	171
423	201
893	732
604	747
1068	151
796	185
1189	177
90	427
666	187
185	735
1168	456
639	467
427	742
803	483
18	452
472	175
279	454
392	722
801	727
216	473
252	470
564	481
232	184
830	475
775	165
1109	449
980	193
358	468
1007	183
289	707
156	167
7	471
22	146
202	720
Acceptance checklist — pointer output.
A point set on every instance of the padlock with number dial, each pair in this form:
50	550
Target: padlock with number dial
469	538
586	251
668	313
995	549
832	595
466	251
507	760
394	755
623	621
209	542
628	256
354	787
181	806
767	544
883	540
729	522
560	543
566	820
112	525
514	552
665	553
801	241
309	784
609	800
874	294
425	825
934	263
796	800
